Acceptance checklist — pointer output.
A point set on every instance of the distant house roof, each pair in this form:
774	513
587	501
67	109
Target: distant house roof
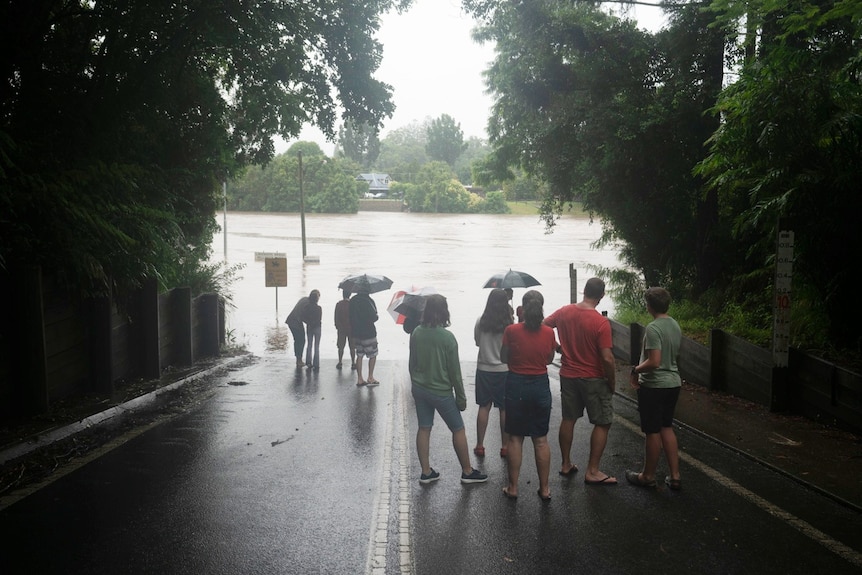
376	182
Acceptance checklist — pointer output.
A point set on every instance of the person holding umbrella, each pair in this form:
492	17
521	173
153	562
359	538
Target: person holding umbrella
491	371
363	315
436	386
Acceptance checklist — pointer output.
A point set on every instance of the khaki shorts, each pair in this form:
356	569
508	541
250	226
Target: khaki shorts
590	393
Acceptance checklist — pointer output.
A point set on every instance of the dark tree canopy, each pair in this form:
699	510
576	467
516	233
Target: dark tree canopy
119	119
690	170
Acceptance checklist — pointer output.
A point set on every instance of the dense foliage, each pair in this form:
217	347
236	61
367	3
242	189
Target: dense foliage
120	119
691	170
328	184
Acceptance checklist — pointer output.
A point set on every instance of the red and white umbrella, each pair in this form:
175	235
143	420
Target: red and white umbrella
406	303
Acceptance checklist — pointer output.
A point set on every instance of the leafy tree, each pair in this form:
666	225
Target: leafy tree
437	191
359	143
476	150
492	203
328	184
445	140
789	147
402	152
119	120
611	115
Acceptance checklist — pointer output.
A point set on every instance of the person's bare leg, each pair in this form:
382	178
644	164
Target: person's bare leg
513	463
459	442
372	361
482	424
359	379
504	437
652	451
566	437
423	447
543	464
598	441
671	451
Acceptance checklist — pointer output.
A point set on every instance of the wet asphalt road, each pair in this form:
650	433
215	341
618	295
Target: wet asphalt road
286	471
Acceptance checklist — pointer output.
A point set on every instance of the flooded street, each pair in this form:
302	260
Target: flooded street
454	253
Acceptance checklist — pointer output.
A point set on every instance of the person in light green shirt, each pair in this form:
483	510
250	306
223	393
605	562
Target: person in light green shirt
435	375
658	385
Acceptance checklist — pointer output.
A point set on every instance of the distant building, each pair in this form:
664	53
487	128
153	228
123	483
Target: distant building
378	184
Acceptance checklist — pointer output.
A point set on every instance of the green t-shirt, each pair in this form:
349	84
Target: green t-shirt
434	362
662	333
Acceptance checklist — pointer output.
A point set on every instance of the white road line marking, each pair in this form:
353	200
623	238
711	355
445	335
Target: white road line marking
803	527
396	437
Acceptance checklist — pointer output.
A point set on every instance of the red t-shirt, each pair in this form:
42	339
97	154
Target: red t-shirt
529	351
583	334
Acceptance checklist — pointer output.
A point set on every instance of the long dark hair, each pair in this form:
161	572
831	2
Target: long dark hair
436	313
498	312
533	312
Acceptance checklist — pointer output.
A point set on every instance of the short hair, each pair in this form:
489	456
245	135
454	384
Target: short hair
345	293
658	299
436	313
314	295
594	288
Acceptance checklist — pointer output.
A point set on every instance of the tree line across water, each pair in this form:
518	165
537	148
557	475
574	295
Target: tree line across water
120	123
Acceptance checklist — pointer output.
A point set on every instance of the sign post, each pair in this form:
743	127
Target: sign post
781	317
276	275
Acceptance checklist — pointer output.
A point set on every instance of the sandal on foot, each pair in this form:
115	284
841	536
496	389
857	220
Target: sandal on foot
572	470
635	478
543	497
507	494
673	484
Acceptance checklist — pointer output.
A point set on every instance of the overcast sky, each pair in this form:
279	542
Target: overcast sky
435	67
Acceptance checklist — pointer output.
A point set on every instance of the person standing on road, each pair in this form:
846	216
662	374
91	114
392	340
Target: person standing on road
363	315
587	378
657	381
491	371
342	330
294	323
313	318
528	347
436	385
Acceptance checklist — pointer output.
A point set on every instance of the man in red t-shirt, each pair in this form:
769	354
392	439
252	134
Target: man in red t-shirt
587	378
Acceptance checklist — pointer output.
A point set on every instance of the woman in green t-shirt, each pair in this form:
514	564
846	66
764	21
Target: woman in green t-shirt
435	374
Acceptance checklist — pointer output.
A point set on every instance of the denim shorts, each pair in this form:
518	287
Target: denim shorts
491	387
528	405
427	403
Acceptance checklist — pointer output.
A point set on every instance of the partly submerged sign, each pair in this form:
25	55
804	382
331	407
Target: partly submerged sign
276	272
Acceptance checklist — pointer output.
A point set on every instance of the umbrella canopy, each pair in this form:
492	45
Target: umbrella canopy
406	304
365	283
511	279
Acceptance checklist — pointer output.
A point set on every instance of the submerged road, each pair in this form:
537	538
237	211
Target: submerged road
300	472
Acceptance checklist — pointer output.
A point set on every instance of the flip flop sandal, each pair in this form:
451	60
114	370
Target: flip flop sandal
635	478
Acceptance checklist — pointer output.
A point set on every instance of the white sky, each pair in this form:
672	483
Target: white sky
435	67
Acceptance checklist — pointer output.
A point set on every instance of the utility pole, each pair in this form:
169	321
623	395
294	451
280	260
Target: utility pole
224	221
301	204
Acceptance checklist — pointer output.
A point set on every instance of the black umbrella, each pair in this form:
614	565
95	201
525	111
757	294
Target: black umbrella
365	283
511	279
